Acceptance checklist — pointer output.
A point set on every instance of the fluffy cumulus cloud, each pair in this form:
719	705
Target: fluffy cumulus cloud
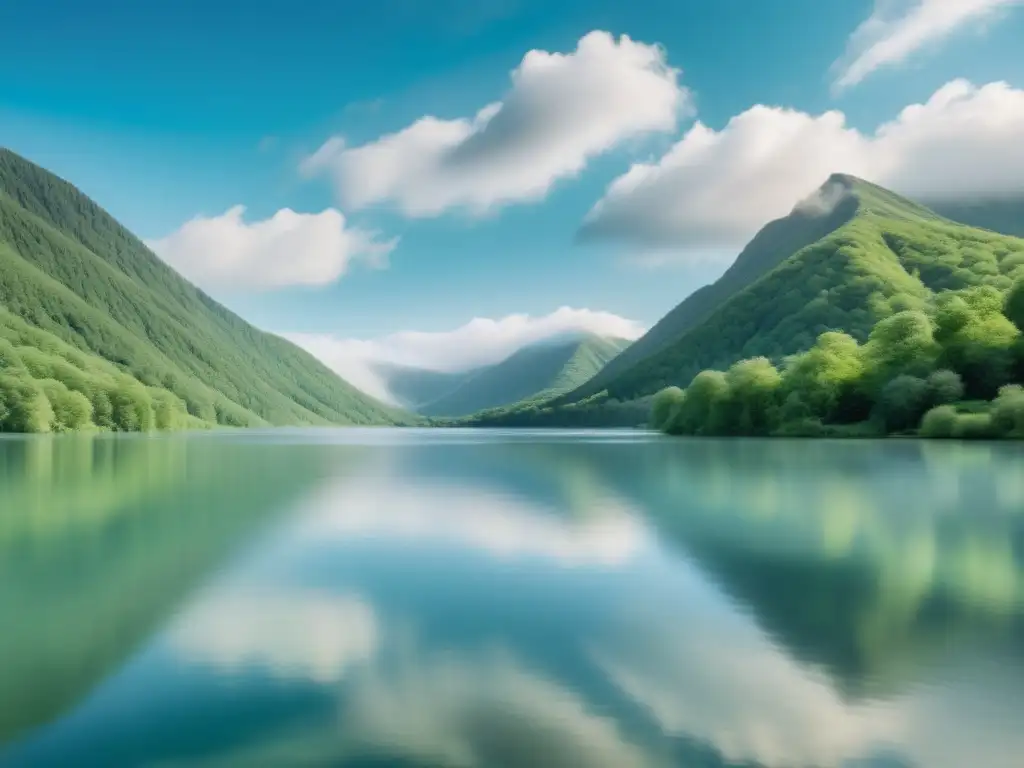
482	708
603	534
560	111
481	341
716	188
297	635
289	248
899	28
712	675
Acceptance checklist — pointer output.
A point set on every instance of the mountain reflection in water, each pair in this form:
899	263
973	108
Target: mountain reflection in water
459	598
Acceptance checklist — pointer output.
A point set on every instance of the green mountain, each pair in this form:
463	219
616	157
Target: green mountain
872	254
95	329
535	373
776	242
413	388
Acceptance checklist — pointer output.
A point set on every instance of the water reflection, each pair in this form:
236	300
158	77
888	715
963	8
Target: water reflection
458	599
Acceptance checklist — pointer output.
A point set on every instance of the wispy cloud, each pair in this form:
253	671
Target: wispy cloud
897	29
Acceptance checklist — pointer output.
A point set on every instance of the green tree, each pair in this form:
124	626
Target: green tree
132	410
939	422
664	405
168	410
901	344
826	374
71	410
697	411
945	387
23	405
752	405
976	338
1008	411
1013	307
902	402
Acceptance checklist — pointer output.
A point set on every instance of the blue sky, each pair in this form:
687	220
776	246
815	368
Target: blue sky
167	111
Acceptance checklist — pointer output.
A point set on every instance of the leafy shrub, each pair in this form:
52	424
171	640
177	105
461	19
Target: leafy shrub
945	387
974	426
902	402
23	404
71	410
1008	412
664	404
939	422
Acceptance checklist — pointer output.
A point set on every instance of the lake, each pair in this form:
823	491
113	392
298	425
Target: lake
460	598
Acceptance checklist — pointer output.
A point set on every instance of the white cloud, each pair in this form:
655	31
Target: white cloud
482	709
481	341
716	188
289	248
309	636
711	674
897	29
560	111
607	533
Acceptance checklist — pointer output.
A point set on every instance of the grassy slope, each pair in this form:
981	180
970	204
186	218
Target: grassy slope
537	372
844	281
70	269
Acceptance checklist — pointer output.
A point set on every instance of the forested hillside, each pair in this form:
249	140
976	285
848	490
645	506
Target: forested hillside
95	330
953	369
535	373
891	255
809	221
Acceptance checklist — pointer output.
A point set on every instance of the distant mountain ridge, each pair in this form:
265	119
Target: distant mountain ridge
1004	215
540	370
93	324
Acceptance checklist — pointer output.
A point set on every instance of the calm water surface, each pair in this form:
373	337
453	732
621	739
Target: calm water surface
461	599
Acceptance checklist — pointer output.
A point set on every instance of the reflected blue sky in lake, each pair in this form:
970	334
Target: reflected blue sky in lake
372	598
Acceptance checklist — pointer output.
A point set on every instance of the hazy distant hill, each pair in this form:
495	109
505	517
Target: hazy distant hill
536	372
95	329
1003	215
413	388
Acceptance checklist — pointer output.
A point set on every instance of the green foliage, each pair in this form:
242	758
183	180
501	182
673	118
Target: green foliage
1014	307
664	406
886	258
752	406
977	338
23	404
701	411
945	387
902	344
891	384
823	378
71	410
1008	412
940	422
974	426
902	402
96	293
775	243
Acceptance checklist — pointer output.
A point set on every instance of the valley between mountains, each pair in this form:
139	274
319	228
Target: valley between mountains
859	313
